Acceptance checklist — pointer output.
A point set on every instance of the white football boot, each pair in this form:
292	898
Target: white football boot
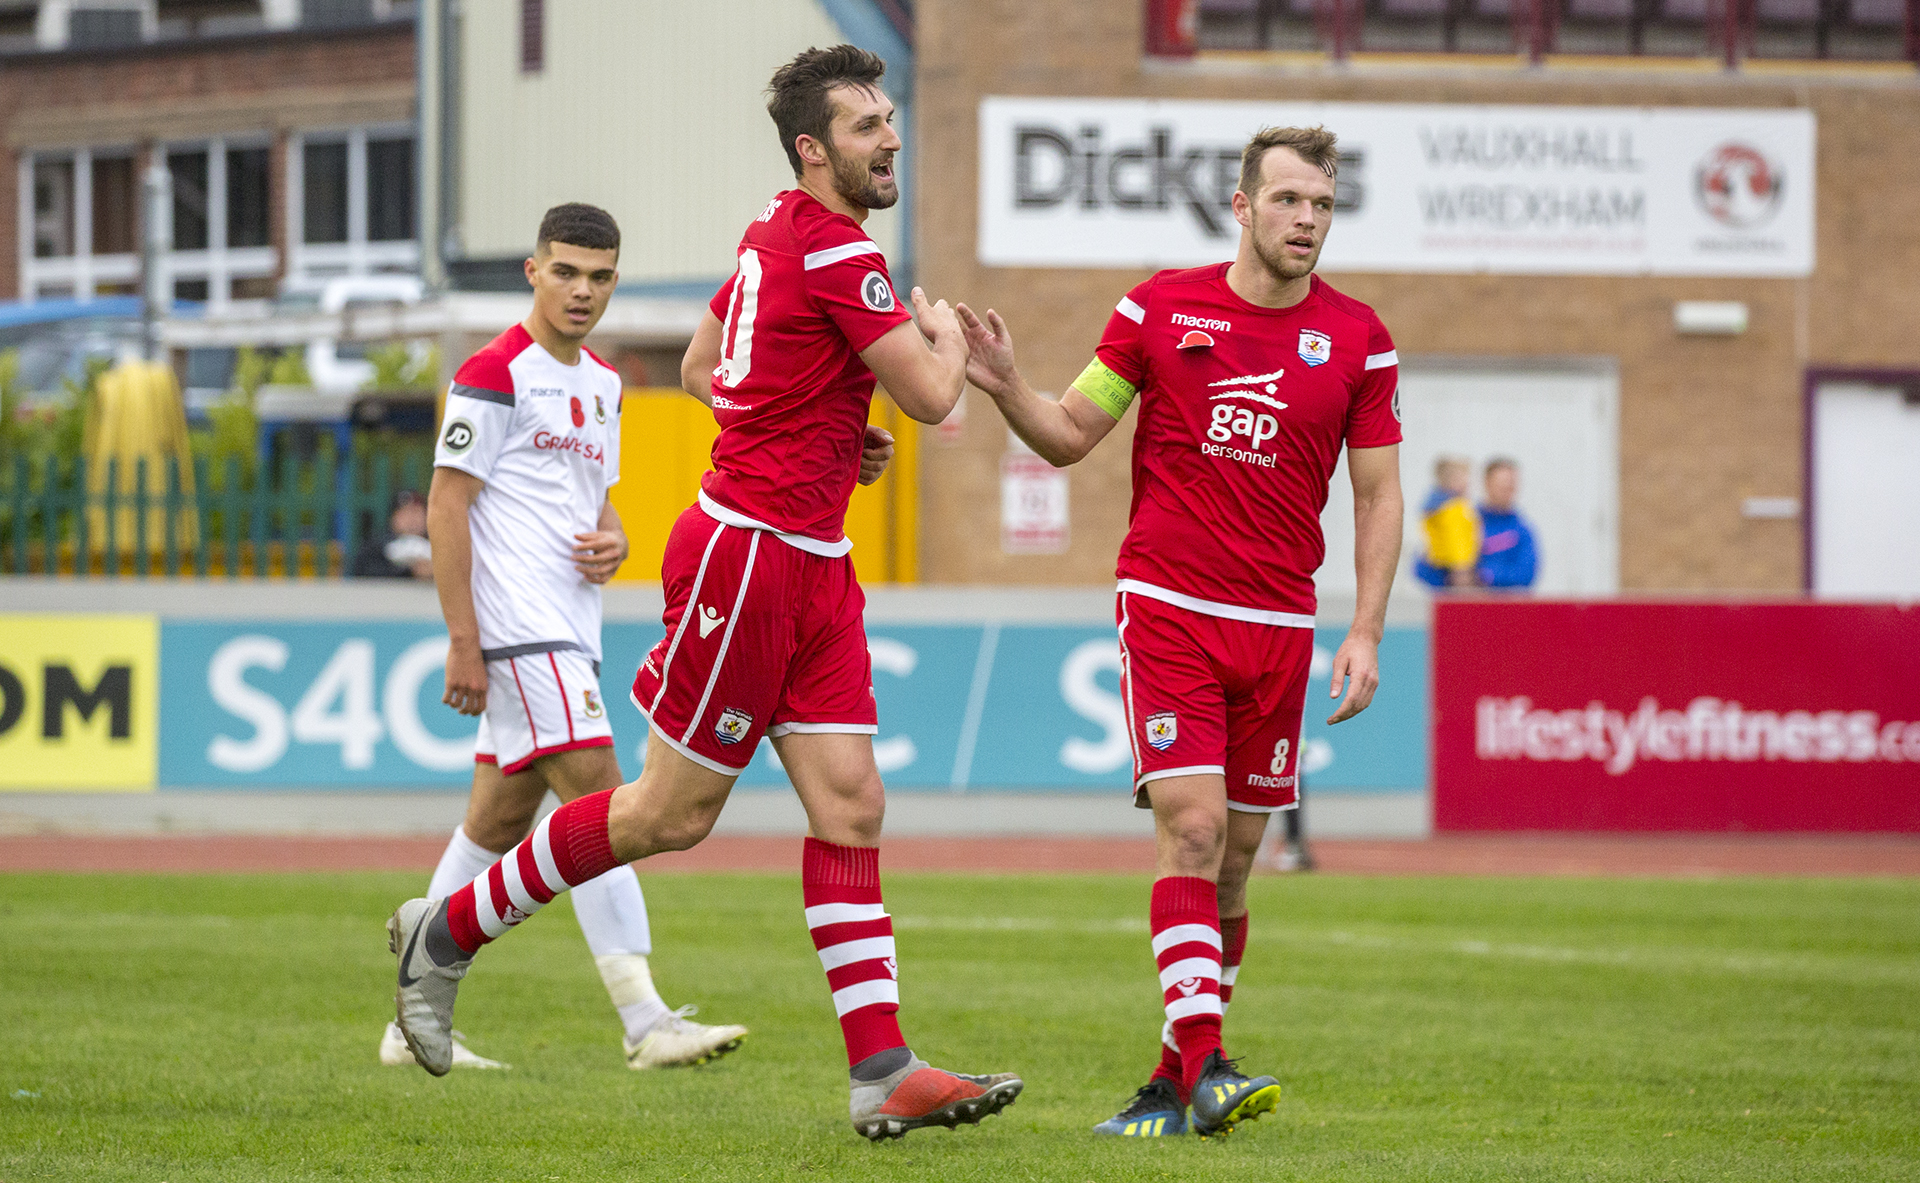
394	1052
675	1042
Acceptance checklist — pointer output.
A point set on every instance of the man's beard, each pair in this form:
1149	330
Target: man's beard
1283	266
853	180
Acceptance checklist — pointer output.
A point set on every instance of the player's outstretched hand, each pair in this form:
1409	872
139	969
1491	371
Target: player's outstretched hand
599	554
876	453
989	350
466	678
937	321
1358	660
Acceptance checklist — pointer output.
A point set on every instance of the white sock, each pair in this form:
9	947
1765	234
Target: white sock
613	915
460	865
630	984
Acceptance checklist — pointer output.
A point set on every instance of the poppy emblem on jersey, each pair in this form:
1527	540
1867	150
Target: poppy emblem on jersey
1316	349
732	727
876	293
1195	339
459	436
579	415
591	704
1162	730
599	410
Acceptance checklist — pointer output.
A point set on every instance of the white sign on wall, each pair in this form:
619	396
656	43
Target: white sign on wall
1423	187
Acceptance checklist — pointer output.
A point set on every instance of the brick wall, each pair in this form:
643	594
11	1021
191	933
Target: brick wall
270	82
1704	422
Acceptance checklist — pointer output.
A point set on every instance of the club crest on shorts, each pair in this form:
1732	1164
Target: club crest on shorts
1162	730
590	704
732	727
1316	349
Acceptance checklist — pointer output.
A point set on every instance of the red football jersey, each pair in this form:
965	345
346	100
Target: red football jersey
1243	411
809	292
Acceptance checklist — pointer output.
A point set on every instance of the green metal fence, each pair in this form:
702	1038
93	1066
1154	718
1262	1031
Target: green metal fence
293	519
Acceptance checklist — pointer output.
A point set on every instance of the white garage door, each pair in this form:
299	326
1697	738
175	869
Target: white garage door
1560	421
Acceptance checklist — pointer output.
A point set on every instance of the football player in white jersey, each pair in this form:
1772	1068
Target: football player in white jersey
523	536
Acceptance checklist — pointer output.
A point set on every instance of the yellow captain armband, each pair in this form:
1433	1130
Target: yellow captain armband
1107	390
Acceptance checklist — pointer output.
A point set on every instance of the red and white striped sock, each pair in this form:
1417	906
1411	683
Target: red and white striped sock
1185	918
1233	941
567	848
1233	944
854	934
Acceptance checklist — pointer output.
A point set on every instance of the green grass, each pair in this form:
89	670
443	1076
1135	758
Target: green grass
223	1027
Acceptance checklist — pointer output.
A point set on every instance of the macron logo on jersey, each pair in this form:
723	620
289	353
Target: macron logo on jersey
1196	322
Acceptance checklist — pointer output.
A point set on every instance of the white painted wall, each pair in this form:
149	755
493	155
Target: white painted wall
655	112
1560	422
1866	492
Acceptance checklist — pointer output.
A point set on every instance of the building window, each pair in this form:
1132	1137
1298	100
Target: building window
324	203
335	14
191	289
189	172
52	209
102	28
533	36
115	202
248	219
389	190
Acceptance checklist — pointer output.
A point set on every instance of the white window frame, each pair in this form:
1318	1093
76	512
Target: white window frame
312	263
83	270
218	264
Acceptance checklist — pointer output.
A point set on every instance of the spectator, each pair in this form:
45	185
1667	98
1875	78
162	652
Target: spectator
1507	557
402	553
1452	527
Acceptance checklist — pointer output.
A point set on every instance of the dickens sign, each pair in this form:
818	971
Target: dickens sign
1434	188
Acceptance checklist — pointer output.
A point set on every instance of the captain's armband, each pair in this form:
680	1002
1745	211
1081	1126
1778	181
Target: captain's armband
1106	389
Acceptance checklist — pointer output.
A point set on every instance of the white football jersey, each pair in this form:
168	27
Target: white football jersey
545	437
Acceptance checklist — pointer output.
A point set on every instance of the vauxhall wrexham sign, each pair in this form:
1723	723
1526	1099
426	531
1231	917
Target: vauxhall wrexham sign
1436	188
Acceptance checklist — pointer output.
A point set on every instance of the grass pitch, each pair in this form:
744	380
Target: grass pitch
224	1027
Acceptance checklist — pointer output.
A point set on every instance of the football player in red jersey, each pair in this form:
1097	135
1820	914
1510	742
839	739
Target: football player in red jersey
1251	377
764	628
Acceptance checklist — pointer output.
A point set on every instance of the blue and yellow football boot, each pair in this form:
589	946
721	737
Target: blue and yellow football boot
1154	1112
1223	1098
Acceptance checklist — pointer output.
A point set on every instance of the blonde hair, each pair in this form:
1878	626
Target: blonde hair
1315	145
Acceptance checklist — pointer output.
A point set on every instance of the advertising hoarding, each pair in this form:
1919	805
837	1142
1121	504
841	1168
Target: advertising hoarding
1074	182
1699	717
350	704
78	699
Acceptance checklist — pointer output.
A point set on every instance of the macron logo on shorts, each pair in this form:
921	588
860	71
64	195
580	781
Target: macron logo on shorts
709	620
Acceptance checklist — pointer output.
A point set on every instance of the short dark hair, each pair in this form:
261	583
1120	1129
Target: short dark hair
1315	145
579	224
1502	462
798	100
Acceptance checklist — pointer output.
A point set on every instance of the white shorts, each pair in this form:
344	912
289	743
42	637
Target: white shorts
539	704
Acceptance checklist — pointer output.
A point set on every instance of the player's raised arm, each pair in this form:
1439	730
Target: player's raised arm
1062	433
703	354
1377	523
924	365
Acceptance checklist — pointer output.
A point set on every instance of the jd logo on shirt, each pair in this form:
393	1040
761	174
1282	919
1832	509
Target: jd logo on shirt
459	436
876	293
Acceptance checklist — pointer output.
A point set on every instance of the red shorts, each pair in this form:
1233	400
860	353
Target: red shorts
1206	694
763	638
